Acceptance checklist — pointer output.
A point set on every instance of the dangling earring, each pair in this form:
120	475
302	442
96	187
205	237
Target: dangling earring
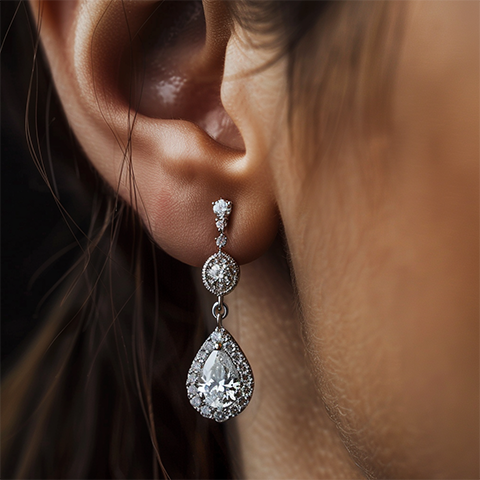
220	381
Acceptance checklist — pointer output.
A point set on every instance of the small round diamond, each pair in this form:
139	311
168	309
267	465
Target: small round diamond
196	366
192	389
196	401
216	336
220	416
221	240
222	207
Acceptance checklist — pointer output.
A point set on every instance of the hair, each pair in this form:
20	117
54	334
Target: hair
99	392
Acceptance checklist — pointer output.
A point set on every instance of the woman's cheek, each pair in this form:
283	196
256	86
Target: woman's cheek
390	300
390	288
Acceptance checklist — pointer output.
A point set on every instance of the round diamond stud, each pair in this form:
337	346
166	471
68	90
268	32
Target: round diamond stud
222	208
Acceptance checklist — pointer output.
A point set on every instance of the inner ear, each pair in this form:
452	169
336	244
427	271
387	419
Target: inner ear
174	68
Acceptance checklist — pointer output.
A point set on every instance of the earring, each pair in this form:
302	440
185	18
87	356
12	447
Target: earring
220	381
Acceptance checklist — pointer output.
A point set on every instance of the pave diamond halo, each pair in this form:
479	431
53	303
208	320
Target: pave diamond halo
220	380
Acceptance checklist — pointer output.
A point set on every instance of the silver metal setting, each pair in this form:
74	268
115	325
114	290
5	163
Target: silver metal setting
220	381
219	311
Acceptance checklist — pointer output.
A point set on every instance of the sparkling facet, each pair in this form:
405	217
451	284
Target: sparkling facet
221	240
220	273
219	383
222	207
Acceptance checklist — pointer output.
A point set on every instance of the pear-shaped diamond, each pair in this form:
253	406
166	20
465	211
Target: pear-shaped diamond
220	381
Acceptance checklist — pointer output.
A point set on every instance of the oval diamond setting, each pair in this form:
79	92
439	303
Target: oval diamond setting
220	273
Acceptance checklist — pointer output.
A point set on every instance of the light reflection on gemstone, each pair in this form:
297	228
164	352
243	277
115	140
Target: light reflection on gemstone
218	271
222	207
219	383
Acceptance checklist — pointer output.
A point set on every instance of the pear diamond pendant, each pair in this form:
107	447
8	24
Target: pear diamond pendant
220	380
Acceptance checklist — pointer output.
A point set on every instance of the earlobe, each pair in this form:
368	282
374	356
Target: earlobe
144	101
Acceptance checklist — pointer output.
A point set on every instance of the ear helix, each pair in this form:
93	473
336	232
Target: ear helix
220	380
167	164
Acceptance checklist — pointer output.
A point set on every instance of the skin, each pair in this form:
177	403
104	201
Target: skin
386	333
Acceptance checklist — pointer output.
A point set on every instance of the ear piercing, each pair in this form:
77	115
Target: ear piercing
220	380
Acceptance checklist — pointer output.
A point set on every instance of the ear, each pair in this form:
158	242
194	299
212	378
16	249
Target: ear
140	82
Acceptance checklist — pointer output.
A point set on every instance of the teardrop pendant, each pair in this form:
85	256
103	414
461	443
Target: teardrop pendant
220	381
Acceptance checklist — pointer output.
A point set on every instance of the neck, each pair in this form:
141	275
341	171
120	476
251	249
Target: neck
285	432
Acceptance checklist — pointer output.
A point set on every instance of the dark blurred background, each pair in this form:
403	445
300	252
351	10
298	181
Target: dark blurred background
37	246
32	232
